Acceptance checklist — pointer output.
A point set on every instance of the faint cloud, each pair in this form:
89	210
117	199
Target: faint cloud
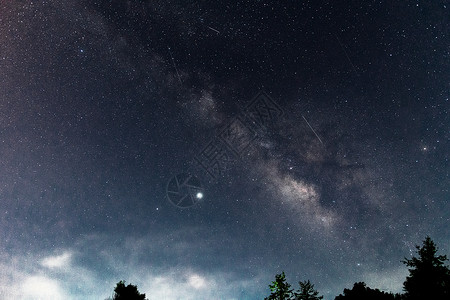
390	280
185	284
30	278
57	261
196	281
67	276
41	287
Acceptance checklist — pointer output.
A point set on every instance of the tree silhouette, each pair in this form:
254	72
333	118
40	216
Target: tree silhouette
129	292
281	289
428	277
361	291
307	292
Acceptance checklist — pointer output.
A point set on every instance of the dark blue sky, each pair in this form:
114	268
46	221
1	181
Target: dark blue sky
333	172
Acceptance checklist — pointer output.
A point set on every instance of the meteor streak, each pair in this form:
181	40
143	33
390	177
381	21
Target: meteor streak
312	129
175	66
215	30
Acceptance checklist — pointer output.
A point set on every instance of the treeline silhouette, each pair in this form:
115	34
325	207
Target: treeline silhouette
429	278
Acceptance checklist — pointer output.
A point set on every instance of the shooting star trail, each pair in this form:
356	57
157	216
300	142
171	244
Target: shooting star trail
215	30
175	66
348	58
312	129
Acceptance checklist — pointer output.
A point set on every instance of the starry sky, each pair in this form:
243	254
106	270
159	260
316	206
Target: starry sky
198	148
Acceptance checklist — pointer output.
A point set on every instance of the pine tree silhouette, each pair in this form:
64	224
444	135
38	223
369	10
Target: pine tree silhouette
428	277
281	289
307	292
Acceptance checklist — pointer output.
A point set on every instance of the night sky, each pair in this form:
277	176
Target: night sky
198	148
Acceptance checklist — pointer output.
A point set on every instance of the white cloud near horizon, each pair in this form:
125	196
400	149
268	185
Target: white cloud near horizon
65	276
40	287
